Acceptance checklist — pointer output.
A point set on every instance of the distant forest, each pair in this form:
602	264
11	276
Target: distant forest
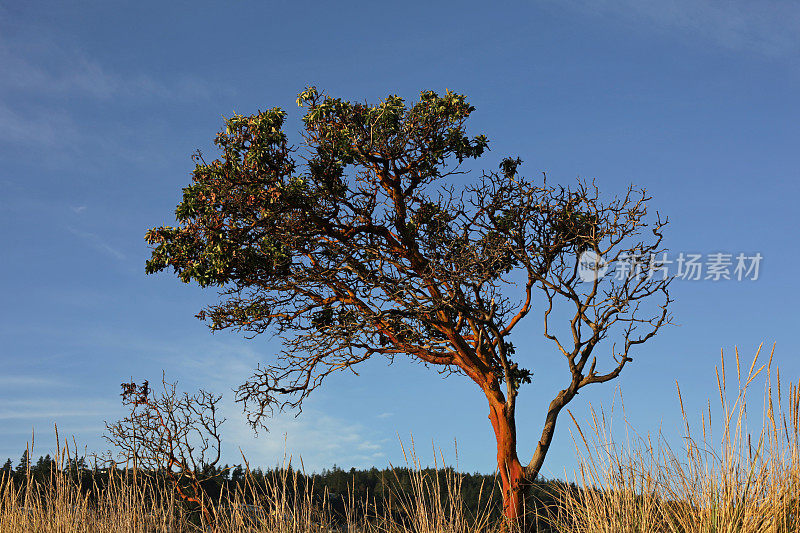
334	487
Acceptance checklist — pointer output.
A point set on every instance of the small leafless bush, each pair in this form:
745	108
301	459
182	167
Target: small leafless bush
177	435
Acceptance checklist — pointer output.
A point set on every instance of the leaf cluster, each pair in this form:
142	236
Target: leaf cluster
358	246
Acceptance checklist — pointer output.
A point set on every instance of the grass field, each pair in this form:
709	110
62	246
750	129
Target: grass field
724	478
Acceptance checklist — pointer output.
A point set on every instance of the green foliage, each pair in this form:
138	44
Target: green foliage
226	199
24	462
247	213
359	246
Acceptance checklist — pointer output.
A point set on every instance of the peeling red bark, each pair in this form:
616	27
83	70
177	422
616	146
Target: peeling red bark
511	471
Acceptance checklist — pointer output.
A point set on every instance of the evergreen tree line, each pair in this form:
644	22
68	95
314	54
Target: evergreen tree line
373	489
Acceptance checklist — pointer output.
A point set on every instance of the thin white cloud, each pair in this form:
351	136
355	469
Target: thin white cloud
321	440
78	209
54	409
770	28
94	240
52	414
35	126
27	381
58	69
217	365
71	74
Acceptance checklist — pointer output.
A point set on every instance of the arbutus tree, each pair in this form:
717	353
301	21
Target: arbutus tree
171	434
364	249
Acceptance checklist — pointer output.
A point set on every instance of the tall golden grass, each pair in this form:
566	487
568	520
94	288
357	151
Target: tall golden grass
283	504
740	481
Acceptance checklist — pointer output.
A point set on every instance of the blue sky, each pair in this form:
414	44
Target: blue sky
102	103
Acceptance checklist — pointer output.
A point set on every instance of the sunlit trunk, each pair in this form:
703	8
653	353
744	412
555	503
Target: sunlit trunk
511	471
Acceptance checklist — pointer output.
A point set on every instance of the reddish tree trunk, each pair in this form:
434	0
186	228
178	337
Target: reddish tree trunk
511	471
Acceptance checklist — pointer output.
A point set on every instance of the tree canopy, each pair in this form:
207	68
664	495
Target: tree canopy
357	244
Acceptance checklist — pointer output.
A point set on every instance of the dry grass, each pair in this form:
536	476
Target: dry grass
280	505
739	482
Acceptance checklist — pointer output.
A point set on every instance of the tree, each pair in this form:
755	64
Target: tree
8	467
365	250
173	434
237	474
24	463
44	466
